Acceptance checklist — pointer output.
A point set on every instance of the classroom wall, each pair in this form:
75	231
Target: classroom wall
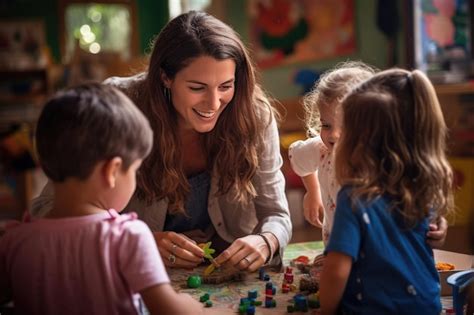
152	16
371	46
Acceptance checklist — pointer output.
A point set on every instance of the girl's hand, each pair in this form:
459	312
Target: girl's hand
313	209
436	236
177	250
245	253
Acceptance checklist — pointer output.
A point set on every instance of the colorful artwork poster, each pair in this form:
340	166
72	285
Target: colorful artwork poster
444	30
292	31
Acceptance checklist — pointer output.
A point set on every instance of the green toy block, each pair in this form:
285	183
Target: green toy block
204	297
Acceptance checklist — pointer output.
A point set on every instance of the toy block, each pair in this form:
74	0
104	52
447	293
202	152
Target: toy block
252	294
204	297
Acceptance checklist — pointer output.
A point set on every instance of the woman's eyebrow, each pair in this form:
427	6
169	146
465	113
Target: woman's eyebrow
202	83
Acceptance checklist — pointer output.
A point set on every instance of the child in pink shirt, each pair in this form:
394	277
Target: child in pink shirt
84	257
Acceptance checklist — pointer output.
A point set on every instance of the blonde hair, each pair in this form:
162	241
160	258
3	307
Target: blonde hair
394	143
331	88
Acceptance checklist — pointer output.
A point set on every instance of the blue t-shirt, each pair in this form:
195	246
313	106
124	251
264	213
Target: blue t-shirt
393	269
197	215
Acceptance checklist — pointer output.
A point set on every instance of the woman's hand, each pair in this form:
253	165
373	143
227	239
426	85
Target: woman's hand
246	253
313	208
177	250
436	236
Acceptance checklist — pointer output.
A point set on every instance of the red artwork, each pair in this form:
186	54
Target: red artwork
286	31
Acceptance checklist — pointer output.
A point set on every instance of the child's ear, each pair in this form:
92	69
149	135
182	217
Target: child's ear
111	170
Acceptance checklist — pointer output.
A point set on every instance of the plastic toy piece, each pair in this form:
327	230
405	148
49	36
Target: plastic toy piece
194	281
204	297
252	294
208	303
460	282
302	259
208	251
209	269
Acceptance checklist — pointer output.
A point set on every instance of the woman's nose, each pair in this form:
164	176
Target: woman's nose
214	100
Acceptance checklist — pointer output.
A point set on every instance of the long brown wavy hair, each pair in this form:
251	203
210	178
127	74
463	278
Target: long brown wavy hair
394	142
231	147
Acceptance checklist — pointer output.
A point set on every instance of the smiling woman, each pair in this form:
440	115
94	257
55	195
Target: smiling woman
214	170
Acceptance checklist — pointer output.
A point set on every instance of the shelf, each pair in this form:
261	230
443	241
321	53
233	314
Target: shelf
458	88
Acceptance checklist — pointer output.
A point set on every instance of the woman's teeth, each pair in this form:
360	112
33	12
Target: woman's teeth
205	114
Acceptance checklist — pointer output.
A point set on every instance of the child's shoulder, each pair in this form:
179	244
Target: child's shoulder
128	222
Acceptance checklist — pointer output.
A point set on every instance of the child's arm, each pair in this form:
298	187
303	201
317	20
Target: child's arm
436	236
163	299
312	203
336	271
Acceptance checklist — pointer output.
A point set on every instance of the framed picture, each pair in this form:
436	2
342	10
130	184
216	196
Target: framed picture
290	31
22	45
442	39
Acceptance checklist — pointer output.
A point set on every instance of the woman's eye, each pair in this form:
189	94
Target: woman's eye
195	88
325	126
226	87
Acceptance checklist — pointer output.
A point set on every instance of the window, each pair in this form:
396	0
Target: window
105	27
182	6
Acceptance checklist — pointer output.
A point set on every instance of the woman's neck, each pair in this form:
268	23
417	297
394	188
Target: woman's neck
193	155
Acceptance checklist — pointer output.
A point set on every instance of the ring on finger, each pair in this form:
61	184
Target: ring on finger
173	249
172	259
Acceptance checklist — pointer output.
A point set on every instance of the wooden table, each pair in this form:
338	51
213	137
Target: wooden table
226	297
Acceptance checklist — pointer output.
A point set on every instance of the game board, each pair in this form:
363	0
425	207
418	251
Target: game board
226	296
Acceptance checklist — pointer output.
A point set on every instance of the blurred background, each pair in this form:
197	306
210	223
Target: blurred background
51	44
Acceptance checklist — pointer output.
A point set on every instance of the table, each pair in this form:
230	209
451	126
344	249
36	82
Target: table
226	297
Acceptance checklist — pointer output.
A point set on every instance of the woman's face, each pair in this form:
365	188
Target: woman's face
201	91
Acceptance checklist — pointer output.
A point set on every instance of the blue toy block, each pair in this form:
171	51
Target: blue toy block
252	294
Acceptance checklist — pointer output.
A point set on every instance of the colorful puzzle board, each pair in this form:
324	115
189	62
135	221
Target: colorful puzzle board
226	296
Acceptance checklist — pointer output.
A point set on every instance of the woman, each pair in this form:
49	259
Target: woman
214	171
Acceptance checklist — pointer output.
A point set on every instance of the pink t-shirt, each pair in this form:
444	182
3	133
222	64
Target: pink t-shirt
94	264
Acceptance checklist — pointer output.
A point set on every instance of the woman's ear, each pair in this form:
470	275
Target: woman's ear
165	79
111	170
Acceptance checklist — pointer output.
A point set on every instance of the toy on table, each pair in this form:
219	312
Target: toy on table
208	251
213	274
194	281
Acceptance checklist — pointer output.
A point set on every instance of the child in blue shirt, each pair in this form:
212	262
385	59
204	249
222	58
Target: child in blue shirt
392	166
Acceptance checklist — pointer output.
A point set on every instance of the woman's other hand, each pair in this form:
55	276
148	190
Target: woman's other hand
247	253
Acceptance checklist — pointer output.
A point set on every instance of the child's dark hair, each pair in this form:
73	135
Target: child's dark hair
394	142
86	124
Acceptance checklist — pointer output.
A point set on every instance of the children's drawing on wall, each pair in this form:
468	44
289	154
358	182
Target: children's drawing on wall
286	31
443	28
